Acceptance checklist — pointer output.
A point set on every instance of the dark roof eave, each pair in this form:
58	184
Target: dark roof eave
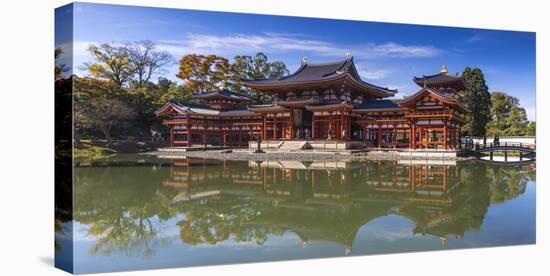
386	109
379	91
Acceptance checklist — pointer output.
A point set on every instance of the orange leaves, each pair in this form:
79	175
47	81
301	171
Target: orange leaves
204	72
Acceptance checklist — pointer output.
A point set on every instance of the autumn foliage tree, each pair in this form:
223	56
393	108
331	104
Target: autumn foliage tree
112	62
204	72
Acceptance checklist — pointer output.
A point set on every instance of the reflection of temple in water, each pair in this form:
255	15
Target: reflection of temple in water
330	201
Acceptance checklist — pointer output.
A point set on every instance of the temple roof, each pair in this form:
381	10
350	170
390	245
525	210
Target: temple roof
267	108
378	105
223	93
322	72
201	110
443	78
445	97
330	107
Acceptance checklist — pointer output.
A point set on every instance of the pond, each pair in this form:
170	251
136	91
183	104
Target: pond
138	212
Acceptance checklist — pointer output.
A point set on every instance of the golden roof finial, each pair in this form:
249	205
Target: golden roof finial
444	69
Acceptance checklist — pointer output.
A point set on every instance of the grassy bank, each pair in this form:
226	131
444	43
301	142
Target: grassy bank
88	150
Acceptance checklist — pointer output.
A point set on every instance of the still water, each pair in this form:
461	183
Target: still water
134	212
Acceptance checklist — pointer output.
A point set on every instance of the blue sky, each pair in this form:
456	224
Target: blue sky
385	54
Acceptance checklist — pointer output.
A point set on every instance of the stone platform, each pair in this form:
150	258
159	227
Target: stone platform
319	145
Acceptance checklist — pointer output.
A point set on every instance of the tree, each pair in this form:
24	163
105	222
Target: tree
531	129
257	67
99	105
478	99
59	68
202	73
507	117
112	62
145	61
518	122
106	113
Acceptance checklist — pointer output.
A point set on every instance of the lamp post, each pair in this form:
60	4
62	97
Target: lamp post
259	145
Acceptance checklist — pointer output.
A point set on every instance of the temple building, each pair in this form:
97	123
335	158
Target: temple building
327	102
222	119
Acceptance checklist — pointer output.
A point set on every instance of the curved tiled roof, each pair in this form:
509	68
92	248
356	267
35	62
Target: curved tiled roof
442	78
267	108
444	96
382	104
224	93
334	106
318	72
202	110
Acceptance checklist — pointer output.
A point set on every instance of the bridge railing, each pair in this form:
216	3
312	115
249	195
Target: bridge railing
508	145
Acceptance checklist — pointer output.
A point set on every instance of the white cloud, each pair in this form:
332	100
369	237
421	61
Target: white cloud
273	43
475	38
276	43
374	74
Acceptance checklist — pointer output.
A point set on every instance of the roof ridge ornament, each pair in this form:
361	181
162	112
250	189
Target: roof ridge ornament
304	60
444	69
348	55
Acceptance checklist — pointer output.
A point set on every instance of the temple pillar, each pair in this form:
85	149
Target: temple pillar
445	135
264	128
204	140
189	135
275	126
411	135
341	125
330	122
313	126
394	136
379	135
171	136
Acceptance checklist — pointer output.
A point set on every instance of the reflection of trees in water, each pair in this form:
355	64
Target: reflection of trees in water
123	206
216	219
507	183
119	206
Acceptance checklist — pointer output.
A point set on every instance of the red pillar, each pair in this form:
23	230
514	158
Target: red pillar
171	136
264	128
379	135
330	122
341	125
394	136
204	140
411	135
275	126
188	135
445	136
313	127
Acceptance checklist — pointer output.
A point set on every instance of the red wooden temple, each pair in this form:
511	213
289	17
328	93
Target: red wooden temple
221	120
326	101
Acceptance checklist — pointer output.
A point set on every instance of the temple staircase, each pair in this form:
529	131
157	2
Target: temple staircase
293	145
